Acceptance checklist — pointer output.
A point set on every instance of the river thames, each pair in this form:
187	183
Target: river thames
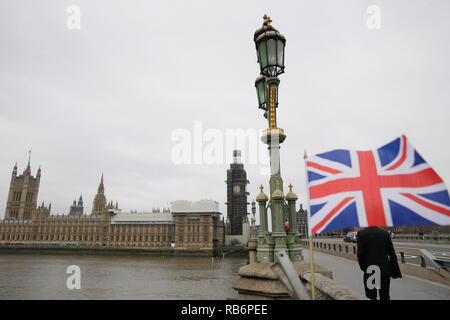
25	276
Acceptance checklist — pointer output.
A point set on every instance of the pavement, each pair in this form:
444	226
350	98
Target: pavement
347	272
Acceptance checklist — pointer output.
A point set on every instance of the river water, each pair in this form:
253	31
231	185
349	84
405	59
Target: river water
25	276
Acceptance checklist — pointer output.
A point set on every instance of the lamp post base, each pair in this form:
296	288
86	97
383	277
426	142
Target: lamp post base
264	254
295	252
280	242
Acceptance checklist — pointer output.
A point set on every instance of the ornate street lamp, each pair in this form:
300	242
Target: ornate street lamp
270	49
270	46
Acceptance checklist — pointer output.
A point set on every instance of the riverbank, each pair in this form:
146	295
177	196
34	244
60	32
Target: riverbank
167	252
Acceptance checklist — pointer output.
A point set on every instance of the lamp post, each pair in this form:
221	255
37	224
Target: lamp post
270	44
270	51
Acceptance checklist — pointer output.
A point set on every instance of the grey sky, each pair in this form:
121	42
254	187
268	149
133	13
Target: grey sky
106	98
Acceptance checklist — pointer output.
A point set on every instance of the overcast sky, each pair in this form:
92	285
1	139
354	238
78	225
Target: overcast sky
106	98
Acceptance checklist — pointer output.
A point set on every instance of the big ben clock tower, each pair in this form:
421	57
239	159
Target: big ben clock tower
236	194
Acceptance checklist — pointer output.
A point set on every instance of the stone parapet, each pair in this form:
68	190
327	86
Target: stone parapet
257	281
329	289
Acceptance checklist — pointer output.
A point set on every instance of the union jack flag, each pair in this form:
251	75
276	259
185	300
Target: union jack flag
389	186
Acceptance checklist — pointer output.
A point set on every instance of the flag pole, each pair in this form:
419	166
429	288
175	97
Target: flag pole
311	259
311	255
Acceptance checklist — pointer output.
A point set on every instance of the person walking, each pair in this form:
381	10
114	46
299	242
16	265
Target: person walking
375	248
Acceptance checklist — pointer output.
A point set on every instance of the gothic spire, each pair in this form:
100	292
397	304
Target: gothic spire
101	188
29	159
28	168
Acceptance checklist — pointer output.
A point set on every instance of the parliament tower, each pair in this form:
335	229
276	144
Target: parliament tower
236	194
99	205
23	193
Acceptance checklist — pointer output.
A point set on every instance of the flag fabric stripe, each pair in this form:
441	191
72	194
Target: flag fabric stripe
403	157
427	204
419	179
332	212
323	168
370	187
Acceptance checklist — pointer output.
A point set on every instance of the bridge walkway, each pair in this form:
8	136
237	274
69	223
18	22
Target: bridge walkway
347	272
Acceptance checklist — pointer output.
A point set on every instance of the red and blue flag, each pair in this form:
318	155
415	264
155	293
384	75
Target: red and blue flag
390	186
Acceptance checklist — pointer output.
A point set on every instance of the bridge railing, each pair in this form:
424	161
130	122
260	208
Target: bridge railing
399	236
349	251
425	237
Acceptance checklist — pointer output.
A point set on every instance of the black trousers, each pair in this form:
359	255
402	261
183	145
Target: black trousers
385	282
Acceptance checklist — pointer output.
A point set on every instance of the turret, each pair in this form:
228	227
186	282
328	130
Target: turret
99	205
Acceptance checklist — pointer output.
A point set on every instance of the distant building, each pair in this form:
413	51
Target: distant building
302	221
198	225
236	195
194	225
76	209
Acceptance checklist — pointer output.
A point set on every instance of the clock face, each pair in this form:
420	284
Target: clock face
236	189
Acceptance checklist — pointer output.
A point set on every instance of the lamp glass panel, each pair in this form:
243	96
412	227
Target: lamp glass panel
262	54
261	92
272	52
280	53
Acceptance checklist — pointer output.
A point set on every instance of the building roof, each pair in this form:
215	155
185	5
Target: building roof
142	217
185	206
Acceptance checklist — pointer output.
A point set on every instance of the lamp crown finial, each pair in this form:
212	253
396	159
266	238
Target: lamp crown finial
277	184
267	20
261	187
290	187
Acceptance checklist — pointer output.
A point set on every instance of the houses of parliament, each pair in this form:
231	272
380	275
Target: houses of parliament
186	225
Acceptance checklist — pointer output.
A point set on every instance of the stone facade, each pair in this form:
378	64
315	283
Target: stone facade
91	230
197	225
